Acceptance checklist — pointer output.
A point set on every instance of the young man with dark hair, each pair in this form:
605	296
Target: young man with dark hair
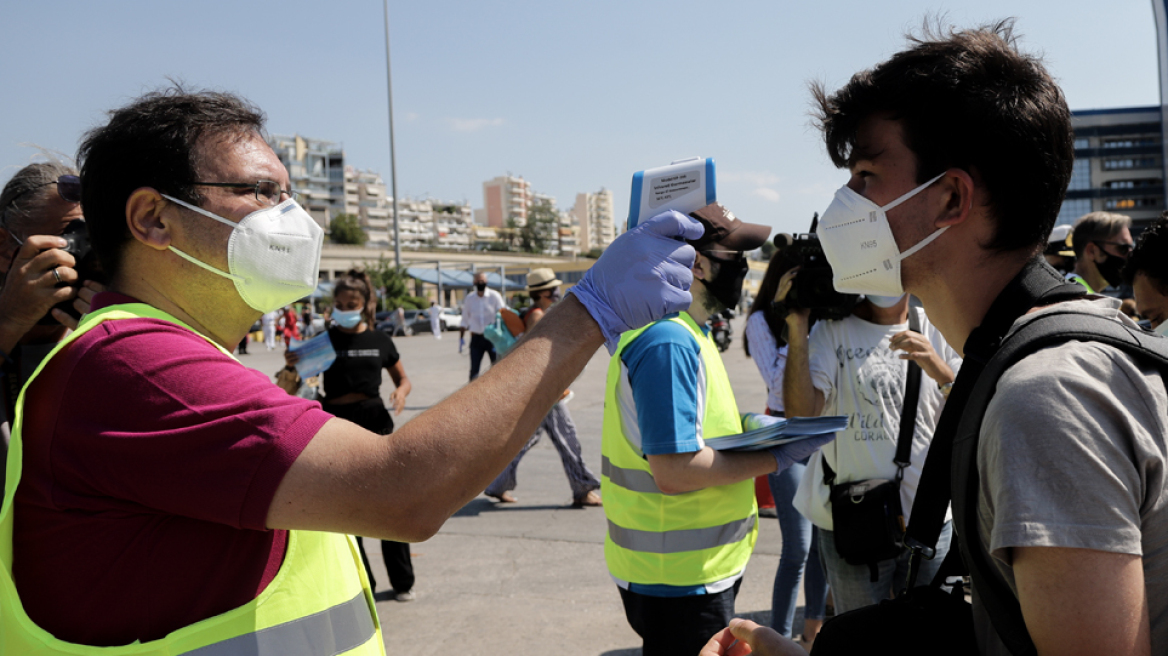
1147	273
184	501
960	151
1102	243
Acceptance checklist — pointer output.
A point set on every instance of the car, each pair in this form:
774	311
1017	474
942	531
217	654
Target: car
447	320
390	324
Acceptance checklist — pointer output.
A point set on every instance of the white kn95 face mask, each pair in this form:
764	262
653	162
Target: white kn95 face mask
859	245
273	255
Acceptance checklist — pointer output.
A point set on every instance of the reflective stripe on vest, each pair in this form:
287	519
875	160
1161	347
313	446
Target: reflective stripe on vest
318	604
332	631
690	538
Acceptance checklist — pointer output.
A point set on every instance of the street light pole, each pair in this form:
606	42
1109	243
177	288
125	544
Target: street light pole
392	142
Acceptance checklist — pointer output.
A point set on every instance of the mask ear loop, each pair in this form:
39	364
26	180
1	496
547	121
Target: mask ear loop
188	258
913	192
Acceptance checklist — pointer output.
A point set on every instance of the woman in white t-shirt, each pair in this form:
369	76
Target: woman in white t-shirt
764	342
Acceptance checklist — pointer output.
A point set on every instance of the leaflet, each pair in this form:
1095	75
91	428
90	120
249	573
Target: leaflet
316	355
783	431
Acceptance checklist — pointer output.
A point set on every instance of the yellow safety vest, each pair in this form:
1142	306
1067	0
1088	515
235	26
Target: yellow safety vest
693	538
319	603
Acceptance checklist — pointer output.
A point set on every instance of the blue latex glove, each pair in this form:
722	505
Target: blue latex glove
789	454
642	276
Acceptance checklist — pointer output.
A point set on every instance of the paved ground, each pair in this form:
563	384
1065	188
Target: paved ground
530	576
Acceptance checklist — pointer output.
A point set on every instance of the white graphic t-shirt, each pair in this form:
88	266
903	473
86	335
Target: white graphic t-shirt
862	378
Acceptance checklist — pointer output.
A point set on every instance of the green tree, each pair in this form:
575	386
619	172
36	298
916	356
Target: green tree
540	230
346	229
394	280
594	253
767	251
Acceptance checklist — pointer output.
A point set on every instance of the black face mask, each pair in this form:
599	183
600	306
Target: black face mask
726	287
1112	269
481	286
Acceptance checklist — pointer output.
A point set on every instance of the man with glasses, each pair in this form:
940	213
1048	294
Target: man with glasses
169	496
682	518
1102	242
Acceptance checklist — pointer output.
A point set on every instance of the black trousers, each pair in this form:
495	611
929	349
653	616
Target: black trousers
371	414
678	625
479	345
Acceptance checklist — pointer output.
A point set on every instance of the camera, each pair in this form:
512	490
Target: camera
813	288
77	244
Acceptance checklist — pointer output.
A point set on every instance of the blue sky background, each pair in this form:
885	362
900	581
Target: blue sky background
574	96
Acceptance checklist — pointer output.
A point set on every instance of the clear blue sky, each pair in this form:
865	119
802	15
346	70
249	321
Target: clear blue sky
574	96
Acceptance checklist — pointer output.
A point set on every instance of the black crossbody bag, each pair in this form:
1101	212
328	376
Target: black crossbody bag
867	517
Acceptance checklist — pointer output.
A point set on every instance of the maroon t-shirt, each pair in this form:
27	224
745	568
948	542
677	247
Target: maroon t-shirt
150	460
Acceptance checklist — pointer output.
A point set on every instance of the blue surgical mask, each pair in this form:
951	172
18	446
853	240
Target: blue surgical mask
347	318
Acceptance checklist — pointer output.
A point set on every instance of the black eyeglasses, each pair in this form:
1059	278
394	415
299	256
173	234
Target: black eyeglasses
266	191
1124	249
68	188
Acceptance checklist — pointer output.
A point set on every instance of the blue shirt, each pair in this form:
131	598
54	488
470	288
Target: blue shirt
667	380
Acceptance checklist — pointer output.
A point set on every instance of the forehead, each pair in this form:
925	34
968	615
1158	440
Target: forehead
880	140
240	158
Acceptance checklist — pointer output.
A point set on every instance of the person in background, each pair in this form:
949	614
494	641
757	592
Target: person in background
764	341
268	323
1102	243
478	311
435	313
352	389
1147	273
289	325
544	289
1058	252
36	205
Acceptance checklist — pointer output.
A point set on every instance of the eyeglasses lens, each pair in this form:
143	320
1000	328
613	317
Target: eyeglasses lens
268	192
69	188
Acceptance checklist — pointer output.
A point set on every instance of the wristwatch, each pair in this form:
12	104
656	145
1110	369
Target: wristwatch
945	389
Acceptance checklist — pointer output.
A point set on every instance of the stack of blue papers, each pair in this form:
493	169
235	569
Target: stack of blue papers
783	431
316	355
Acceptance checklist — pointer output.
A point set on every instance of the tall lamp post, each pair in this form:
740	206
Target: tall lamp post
392	142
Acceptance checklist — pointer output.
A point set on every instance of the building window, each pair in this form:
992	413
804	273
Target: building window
1072	209
1133	184
1123	163
1130	142
1081	174
1081	143
1152	202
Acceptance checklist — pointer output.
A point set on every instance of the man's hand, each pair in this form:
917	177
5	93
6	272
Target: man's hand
917	348
789	454
31	287
746	637
797	318
642	276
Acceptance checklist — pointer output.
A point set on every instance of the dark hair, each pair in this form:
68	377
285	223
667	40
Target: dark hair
781	262
1150	256
26	195
358	281
1097	226
968	99
156	141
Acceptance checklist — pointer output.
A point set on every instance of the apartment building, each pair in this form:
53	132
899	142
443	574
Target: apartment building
506	198
317	170
594	215
367	198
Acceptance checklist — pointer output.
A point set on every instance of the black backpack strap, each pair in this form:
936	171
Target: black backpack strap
1037	284
1051	329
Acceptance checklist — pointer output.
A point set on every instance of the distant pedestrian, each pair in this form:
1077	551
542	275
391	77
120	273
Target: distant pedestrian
478	311
268	325
436	319
544	288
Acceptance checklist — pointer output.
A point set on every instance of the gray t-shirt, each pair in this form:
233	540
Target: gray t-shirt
1073	454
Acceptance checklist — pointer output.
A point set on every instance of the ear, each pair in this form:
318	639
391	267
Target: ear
703	268
149	216
958	188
